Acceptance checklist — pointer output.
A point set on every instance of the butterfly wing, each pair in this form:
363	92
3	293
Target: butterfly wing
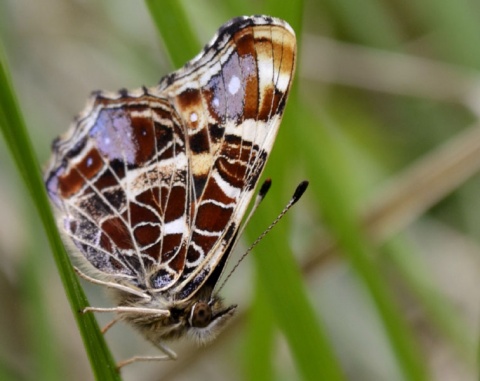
230	99
152	184
113	177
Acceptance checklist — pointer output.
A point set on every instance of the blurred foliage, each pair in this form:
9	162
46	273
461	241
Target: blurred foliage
374	272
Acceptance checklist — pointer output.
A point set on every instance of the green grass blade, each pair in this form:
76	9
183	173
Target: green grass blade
46	360
287	296
174	29
259	348
310	347
280	275
15	134
332	187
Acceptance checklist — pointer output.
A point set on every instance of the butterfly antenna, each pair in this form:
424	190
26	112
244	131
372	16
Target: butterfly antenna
260	197
299	191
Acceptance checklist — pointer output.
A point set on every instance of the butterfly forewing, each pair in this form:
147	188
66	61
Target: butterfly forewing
231	107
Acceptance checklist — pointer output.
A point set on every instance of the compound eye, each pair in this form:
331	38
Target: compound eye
201	315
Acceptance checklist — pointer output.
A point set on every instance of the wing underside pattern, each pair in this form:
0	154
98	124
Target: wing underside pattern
152	184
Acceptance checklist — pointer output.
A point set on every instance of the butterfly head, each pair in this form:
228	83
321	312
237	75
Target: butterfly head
207	319
201	319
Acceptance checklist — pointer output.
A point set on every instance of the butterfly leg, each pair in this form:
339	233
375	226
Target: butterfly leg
169	355
109	325
126	309
110	284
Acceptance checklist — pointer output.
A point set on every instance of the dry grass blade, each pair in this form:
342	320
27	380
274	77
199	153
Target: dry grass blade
409	194
421	186
393	73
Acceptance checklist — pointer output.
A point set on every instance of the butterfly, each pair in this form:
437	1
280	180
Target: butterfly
151	185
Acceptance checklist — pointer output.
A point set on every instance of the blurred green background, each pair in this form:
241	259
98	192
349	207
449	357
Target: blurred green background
372	276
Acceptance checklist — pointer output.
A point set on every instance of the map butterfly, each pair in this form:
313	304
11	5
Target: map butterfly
152	185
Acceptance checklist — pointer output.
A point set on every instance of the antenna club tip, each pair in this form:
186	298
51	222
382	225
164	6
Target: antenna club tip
265	187
301	188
